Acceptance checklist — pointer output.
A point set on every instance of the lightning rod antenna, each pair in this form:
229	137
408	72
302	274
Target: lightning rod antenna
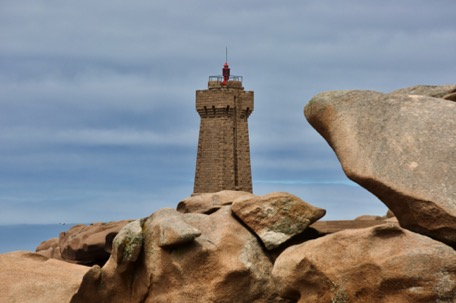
226	54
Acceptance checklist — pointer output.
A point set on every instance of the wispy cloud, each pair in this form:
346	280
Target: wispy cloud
96	137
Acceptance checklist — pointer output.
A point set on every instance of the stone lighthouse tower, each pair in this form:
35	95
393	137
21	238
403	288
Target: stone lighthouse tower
223	159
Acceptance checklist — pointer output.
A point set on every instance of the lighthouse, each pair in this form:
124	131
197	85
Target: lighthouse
223	158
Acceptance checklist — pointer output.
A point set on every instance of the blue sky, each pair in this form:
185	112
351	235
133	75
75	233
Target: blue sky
97	98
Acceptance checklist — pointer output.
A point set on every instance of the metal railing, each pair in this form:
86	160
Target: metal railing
220	78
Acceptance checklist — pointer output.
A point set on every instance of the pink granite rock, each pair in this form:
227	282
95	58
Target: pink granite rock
399	146
89	244
31	278
379	264
209	202
276	217
223	262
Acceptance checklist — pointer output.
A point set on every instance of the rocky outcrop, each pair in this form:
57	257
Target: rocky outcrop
88	244
329	227
31	278
400	147
175	257
378	264
50	249
210	202
83	244
276	217
368	218
225	255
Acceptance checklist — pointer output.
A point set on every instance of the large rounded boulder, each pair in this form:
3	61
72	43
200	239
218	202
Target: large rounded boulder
399	146
385	264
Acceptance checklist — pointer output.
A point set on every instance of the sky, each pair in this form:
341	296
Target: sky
97	98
